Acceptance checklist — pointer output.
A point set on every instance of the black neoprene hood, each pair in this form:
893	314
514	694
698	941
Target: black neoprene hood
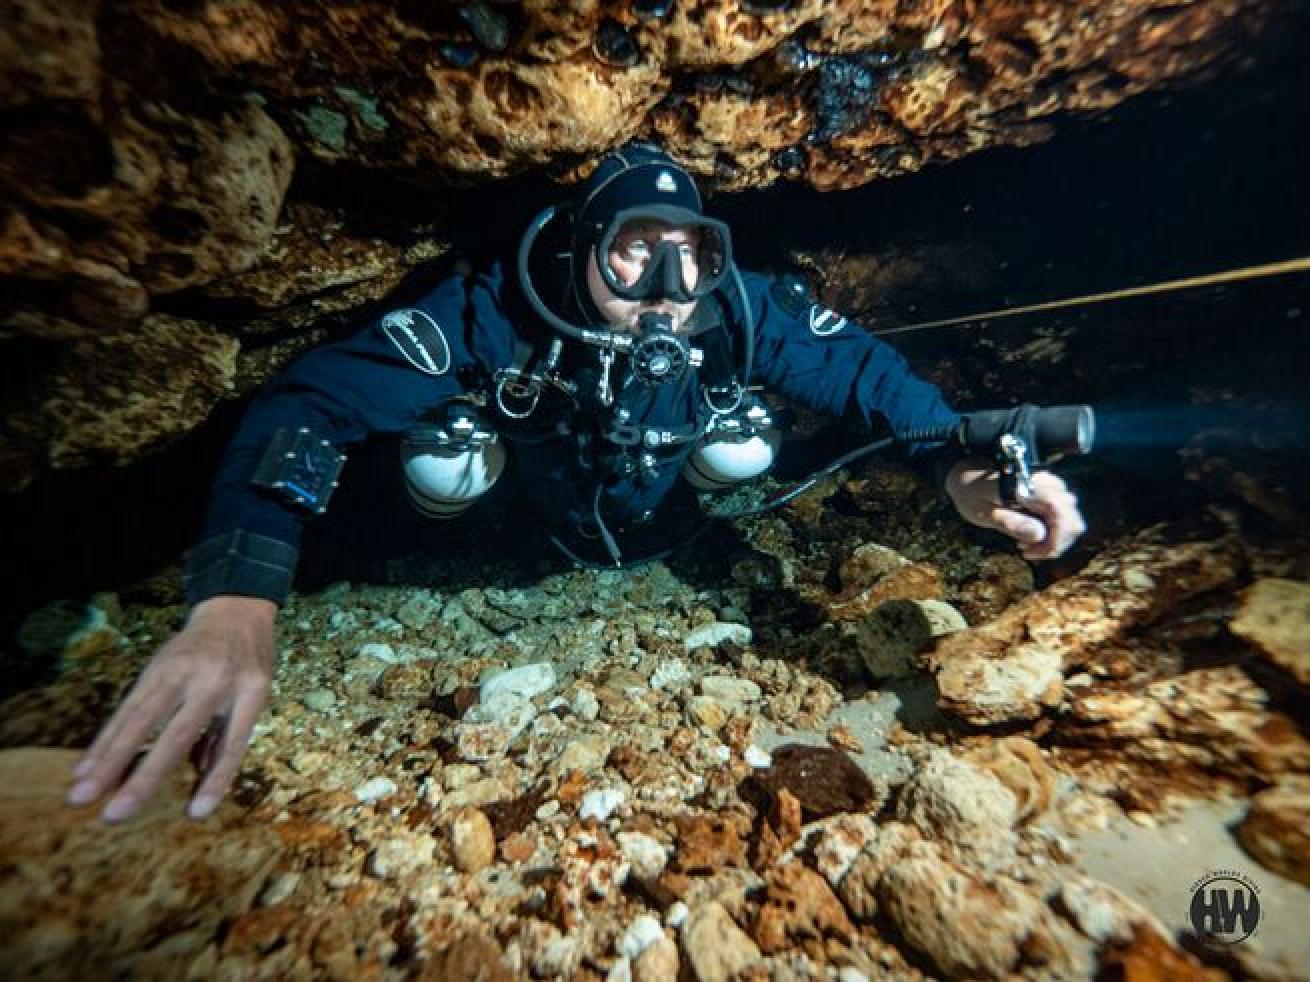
641	181
633	177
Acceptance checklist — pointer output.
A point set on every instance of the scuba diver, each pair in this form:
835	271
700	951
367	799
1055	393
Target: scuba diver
613	364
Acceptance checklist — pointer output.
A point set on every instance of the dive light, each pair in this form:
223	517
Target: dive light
1020	439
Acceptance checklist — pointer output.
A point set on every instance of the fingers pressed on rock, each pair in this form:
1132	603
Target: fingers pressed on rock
236	738
113	750
169	750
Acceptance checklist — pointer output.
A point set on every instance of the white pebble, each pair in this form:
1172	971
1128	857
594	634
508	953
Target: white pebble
670	674
645	854
381	651
722	752
320	700
378	787
526	681
715	634
640	935
676	914
586	705
757	757
600	804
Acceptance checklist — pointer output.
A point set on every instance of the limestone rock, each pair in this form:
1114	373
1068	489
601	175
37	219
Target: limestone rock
1015	687
1101	912
1018	763
375	789
1275	616
656	963
525	681
1130	584
867	564
895	632
119	394
729	691
1214	720
961	805
798	906
717	633
1276	830
716	948
472	842
1148	954
1001	581
470	955
857	885
81	898
968	927
913	581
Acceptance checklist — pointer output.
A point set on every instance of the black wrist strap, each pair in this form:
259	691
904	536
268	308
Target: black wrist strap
240	563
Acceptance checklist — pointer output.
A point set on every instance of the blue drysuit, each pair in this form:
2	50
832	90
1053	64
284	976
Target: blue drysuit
369	383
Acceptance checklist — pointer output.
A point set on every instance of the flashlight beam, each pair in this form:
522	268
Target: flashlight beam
1167	286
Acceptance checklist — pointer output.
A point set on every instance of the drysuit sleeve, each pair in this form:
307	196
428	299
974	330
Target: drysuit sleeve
825	362
382	379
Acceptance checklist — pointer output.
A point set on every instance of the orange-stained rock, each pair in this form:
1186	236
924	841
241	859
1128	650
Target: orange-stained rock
968	927
915	581
1276	830
1213	720
706	844
780	830
1149	957
472	843
472	956
81	898
1275	616
798	905
1012	667
1001	581
1018	763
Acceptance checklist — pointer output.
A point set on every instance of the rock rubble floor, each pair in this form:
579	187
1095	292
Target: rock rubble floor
854	742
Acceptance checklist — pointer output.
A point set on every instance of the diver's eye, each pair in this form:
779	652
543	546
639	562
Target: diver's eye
637	249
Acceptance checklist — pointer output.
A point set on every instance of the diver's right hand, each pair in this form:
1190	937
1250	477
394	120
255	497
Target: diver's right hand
212	676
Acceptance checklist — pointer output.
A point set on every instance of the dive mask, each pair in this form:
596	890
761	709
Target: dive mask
680	269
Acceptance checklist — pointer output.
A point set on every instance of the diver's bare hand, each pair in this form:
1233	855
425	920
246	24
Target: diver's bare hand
213	675
1049	524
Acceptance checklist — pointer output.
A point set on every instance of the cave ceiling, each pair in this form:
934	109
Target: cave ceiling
152	148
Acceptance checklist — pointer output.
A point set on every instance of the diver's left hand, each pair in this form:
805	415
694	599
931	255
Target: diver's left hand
1048	525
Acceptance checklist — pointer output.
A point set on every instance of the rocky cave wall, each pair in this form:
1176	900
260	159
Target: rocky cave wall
151	151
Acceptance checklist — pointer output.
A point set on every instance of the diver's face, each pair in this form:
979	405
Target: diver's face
632	248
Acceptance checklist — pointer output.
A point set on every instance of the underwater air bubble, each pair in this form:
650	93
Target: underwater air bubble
459	54
793	56
489	27
652	9
615	45
789	160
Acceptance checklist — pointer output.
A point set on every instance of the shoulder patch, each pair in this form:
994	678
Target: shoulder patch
419	339
824	322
